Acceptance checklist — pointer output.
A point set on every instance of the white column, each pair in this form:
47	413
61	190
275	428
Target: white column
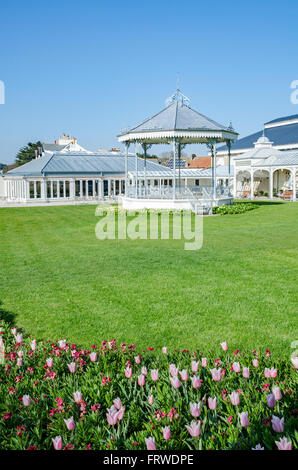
43	189
294	184
81	188
270	184
34	188
174	169
114	187
251	184
137	170
109	188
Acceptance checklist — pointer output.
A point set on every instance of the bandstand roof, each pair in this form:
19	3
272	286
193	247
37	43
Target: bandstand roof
178	120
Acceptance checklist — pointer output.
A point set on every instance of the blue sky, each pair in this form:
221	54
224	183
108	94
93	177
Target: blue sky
89	68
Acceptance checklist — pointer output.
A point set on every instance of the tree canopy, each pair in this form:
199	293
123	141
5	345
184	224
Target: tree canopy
27	153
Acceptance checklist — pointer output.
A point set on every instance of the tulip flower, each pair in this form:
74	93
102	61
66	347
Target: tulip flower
117	403
224	346
255	363
194	366
93	356
137	360
128	372
33	345
173	370
246	372
72	367
19	361
284	444
49	362
273	372
267	373
195	409
194	429
234	397
166	432
151	399
19	338
175	382
26	400
196	382
112	415
184	375
77	397
164	350
62	343
144	371
141	380
154	375
70	424
212	403
204	361
271	400
57	443
150	443
244	421
236	367
258	447
278	424
216	374
277	393
294	361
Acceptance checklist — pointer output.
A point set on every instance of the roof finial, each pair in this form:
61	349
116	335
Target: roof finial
177	81
231	126
179	98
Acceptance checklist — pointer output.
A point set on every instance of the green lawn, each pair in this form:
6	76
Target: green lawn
58	280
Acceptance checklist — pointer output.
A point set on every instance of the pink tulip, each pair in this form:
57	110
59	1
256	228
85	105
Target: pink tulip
196	382
49	362
72	367
14	331
33	345
194	429
70	424
93	356
128	372
150	443
246	372
255	363
267	373
212	403
173	370
19	361
295	362
141	380
195	409
57	443
151	399
175	382
77	397
184	375
244	421
236	367
273	372
137	360
19	338
112	415
26	400
20	353
277	393
278	424
166	432
216	374
154	375
271	400
284	444
62	343
164	350
224	346
121	413
117	403
234	397
194	366
144	371
204	361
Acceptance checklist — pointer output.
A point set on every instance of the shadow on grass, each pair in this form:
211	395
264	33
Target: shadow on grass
260	203
8	317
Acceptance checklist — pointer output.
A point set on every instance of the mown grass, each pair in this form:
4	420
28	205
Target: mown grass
58	280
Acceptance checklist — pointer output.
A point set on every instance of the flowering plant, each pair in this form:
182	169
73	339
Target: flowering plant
58	395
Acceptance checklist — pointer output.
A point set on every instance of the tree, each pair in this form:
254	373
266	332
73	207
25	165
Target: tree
28	152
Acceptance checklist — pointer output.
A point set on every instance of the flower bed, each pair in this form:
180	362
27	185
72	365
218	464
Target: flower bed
236	208
58	396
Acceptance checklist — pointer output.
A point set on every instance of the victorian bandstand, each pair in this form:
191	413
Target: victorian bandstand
177	125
